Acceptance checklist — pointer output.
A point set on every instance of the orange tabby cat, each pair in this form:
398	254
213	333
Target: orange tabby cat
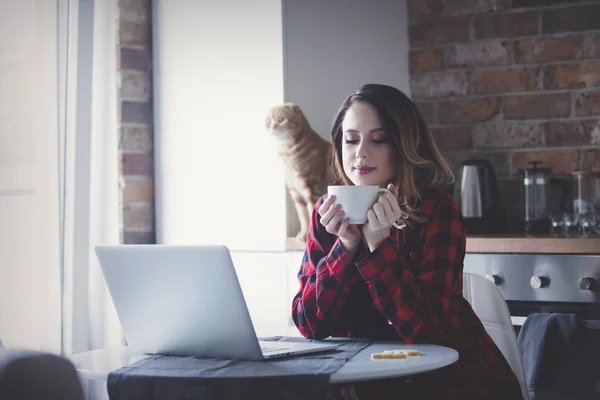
306	159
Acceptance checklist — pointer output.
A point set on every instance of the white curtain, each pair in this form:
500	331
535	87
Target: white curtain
89	165
59	179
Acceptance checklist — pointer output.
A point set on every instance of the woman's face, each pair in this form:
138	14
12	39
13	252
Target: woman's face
367	155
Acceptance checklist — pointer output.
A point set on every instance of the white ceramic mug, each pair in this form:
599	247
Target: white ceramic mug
356	200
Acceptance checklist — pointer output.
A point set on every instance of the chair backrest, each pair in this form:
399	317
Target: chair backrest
37	375
489	305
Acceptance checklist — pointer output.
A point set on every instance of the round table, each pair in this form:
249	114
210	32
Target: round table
97	364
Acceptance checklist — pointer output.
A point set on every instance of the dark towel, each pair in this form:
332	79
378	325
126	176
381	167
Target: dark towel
548	343
291	378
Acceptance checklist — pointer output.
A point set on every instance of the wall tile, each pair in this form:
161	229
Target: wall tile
506	80
537	106
455	8
506	25
136	138
439	32
426	60
451	138
543	49
571	19
134	34
573	133
591	45
135	86
587	103
137	164
467	110
571	76
427	110
135	59
138	217
482	54
134	10
422	10
497	134
439	84
139	237
136	112
138	190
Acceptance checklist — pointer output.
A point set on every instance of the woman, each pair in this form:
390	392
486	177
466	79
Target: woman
389	283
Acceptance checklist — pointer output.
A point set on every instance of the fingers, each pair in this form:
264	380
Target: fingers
332	225
326	204
392	201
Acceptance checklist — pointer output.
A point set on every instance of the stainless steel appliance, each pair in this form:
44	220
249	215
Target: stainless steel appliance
479	198
534	283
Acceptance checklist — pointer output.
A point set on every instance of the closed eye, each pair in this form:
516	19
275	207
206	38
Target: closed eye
351	141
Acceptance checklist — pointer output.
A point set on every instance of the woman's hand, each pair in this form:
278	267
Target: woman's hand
381	217
335	222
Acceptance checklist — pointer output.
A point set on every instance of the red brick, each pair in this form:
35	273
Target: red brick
135	86
481	54
138	217
561	161
591	159
591	45
506	80
135	10
469	7
537	106
139	237
571	76
570	133
506	25
439	84
542	49
427	110
135	59
136	112
426	60
136	138
501	134
134	34
587	103
137	164
467	110
421	10
429	33
571	19
138	190
451	138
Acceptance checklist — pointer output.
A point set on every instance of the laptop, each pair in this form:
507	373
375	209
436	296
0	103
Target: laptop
187	301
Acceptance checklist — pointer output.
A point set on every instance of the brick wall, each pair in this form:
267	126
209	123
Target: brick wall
512	81
134	61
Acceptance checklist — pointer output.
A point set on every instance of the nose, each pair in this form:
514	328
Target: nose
362	150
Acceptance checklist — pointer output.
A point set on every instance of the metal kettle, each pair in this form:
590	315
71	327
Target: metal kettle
479	198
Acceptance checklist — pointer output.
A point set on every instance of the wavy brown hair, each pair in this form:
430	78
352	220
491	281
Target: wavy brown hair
419	162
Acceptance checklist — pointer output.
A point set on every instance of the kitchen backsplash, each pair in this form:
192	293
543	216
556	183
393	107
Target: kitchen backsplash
510	81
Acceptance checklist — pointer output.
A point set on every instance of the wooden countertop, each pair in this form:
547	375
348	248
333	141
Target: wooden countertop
514	244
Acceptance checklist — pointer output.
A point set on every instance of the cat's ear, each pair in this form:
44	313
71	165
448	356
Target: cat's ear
296	109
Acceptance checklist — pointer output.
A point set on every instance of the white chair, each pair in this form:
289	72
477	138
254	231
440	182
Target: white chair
489	305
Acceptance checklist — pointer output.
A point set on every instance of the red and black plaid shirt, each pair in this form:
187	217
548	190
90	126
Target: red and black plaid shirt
410	289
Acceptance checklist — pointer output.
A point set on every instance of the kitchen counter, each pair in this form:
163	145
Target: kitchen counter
514	244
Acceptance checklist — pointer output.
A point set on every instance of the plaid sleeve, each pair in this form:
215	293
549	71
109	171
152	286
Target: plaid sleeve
324	282
416	301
